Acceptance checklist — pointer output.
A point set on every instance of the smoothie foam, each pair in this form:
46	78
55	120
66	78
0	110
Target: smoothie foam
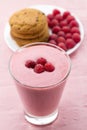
28	77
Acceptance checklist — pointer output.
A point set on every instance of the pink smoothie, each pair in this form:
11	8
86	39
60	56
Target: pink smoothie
40	93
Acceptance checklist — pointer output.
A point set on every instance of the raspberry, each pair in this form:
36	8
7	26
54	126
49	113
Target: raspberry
70	43
53	42
74	23
63	23
50	16
56	29
65	14
61	33
62	45
58	17
39	68
75	30
76	37
55	12
53	36
49	67
30	64
70	18
60	39
41	61
54	22
66	29
50	24
68	35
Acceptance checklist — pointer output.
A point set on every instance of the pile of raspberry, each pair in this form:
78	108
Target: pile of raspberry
40	65
65	31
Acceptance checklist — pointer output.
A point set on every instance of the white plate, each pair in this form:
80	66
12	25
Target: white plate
46	9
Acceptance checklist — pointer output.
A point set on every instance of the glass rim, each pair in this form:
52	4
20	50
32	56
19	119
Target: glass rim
47	44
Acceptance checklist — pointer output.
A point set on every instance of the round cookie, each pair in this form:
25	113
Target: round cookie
27	21
28	36
22	42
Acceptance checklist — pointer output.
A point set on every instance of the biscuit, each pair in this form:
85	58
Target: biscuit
27	21
28	36
22	42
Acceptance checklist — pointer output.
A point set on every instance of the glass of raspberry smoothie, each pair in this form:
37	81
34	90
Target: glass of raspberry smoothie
40	71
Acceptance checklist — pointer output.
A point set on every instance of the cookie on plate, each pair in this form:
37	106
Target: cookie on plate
22	42
27	21
29	25
30	36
